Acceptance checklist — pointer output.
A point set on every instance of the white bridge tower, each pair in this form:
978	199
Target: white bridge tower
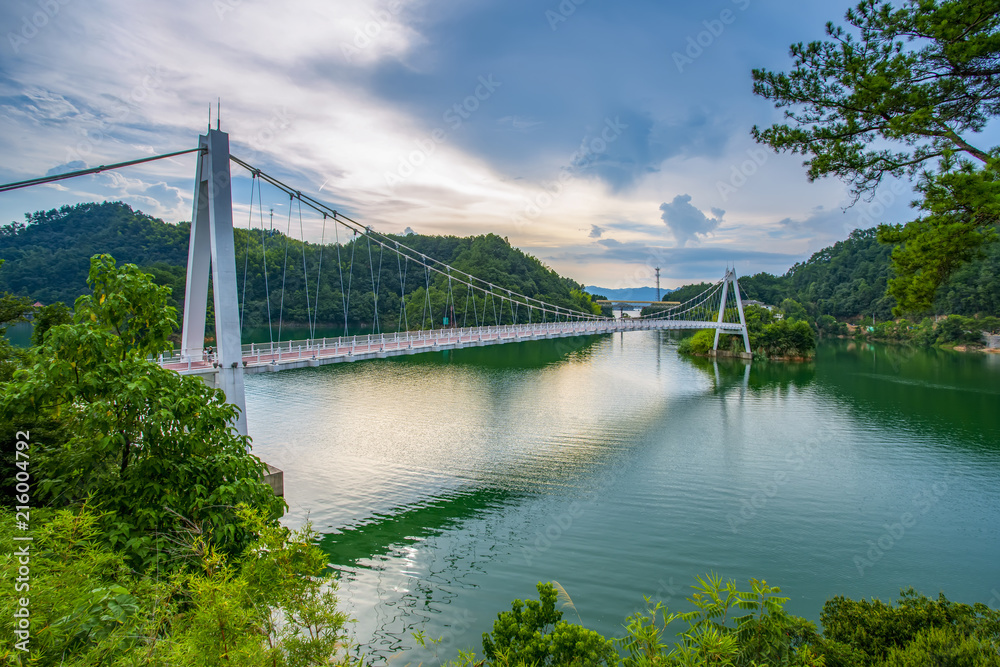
211	246
731	279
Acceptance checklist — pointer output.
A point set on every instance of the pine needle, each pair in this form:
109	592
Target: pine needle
567	601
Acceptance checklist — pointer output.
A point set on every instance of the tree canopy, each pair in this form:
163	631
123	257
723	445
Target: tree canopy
902	94
153	451
48	258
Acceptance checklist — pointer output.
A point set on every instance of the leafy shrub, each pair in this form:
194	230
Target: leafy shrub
958	330
265	607
698	344
875	629
533	633
153	451
717	635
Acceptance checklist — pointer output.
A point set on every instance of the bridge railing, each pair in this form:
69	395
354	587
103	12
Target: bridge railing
428	338
395	340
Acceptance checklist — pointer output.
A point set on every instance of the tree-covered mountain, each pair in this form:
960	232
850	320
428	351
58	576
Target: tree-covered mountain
845	280
848	280
48	257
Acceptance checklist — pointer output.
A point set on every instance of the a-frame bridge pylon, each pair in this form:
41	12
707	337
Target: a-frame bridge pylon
730	279
211	246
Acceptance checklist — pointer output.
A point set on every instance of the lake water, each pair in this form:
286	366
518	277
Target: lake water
447	484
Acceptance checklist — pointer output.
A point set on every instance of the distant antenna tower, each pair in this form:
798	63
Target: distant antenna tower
657	283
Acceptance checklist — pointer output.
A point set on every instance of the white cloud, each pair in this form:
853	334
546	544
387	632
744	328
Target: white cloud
110	80
686	222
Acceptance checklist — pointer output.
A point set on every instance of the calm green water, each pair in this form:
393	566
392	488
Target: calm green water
447	484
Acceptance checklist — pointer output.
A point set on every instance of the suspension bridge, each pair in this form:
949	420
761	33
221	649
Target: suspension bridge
489	314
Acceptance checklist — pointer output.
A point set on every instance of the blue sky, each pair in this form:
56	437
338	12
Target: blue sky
605	138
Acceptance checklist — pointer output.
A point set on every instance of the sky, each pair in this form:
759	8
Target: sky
605	138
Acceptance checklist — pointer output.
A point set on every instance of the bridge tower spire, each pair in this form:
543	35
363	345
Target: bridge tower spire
731	279
211	246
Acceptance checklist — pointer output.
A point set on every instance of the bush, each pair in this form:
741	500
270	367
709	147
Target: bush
875	630
958	330
266	606
699	344
533	633
152	451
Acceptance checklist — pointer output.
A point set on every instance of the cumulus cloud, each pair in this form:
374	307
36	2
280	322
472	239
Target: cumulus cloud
158	199
596	232
75	165
686	222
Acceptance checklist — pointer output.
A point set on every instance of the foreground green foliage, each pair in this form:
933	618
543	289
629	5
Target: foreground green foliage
145	548
13	309
917	631
725	625
153	451
265	606
903	93
717	633
533	632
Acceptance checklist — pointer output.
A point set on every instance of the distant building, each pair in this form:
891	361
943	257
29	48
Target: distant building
754	302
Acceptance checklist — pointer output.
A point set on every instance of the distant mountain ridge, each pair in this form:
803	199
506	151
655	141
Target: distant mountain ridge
628	293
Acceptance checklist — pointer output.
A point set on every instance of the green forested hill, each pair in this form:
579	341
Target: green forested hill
845	280
848	279
49	255
47	259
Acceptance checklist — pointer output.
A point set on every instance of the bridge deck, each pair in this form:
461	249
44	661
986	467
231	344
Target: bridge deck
267	357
